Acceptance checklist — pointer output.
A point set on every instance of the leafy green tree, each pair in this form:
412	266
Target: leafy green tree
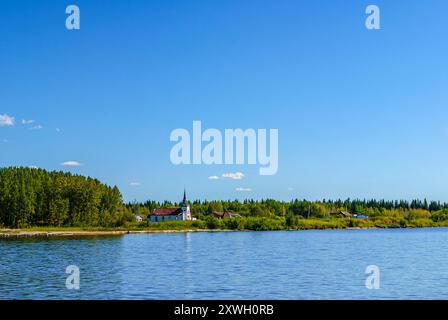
36	197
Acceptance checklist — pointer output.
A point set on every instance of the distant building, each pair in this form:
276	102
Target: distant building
347	214
223	215
181	213
138	219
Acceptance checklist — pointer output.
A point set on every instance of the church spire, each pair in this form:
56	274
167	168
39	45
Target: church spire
185	208
184	201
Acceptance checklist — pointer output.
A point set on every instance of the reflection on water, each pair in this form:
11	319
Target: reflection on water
241	265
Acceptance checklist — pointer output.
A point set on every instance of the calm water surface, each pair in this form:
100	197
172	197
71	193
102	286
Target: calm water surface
234	265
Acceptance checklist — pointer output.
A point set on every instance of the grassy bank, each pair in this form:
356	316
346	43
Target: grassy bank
236	224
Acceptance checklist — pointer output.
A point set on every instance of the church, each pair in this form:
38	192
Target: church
181	213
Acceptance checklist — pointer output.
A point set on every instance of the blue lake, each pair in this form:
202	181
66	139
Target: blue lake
413	264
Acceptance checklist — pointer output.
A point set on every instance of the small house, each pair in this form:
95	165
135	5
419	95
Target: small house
224	215
345	214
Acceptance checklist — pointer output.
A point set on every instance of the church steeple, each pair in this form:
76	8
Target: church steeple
184	201
186	213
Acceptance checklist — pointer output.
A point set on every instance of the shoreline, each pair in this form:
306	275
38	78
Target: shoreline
20	233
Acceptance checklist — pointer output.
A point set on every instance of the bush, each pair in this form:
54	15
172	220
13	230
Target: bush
214	223
262	224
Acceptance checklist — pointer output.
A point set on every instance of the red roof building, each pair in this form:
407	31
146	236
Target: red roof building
166	212
181	213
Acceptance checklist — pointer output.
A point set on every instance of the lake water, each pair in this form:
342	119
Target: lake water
413	264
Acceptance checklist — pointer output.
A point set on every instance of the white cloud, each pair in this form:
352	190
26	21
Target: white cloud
213	178
290	189
233	175
38	127
27	121
33	167
135	184
71	164
240	189
6	120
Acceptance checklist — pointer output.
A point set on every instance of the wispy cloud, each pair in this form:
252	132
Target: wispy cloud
24	121
135	184
70	164
290	189
6	120
213	178
233	175
240	189
38	127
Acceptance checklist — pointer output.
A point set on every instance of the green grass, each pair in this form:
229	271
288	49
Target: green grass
60	229
252	223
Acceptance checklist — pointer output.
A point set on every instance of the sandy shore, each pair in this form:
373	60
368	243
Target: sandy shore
12	233
21	233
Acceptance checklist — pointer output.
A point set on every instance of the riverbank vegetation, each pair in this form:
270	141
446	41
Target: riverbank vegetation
37	199
298	214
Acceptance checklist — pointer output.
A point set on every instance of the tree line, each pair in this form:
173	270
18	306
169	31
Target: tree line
269	214
36	197
304	208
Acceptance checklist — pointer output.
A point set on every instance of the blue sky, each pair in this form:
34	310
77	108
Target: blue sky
361	113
